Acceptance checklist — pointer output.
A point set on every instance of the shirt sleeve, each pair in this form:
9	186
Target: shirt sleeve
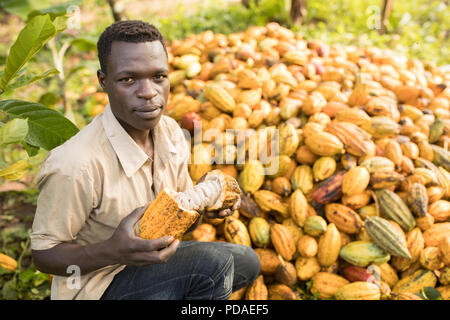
66	198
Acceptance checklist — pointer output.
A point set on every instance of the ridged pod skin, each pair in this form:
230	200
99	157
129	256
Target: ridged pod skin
393	152
329	246
359	290
220	98
355	180
354	273
259	230
281	186
354	115
417	199
324	144
236	232
392	207
257	290
298	207
315	226
388	274
252	176
356	141
441	157
382	180
415	282
204	232
306	267
378	163
268	200
362	253
283	241
302	178
387	237
381	127
415	243
323	168
326	284
329	189
289	139
268	260
8	262
344	218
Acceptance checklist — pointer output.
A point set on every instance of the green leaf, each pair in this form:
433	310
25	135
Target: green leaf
430	293
30	40
85	44
14	171
57	10
23	7
30	78
31	150
13	131
47	128
9	290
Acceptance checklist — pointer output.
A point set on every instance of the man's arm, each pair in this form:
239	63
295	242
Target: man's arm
124	247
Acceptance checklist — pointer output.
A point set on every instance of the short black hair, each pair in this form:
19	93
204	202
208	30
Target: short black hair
129	31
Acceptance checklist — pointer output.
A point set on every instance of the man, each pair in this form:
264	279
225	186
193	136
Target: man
95	187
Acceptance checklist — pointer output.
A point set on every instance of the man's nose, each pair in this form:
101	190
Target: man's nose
146	90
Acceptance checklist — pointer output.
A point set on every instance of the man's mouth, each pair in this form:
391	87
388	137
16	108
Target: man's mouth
148	112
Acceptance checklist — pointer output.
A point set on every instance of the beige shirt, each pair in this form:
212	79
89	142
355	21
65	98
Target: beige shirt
91	182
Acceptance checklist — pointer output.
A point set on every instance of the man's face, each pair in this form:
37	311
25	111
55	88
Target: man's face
137	83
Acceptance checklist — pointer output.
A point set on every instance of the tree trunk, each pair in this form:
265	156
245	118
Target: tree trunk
298	11
116	15
387	8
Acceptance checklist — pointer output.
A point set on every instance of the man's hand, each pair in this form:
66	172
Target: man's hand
130	249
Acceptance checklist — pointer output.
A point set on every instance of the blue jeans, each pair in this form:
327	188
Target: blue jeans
197	271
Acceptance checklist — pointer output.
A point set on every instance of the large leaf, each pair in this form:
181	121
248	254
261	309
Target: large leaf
30	40
47	128
23	7
59	9
27	79
13	131
14	171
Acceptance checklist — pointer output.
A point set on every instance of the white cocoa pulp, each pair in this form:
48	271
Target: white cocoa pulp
201	196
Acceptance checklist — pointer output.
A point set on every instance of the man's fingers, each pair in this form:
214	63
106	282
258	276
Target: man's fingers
152	245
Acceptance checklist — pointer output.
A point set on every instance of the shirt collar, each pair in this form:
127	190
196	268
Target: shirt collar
130	155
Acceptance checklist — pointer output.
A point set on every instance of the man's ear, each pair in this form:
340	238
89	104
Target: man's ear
101	79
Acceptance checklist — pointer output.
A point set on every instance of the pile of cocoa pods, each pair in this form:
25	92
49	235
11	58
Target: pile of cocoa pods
353	203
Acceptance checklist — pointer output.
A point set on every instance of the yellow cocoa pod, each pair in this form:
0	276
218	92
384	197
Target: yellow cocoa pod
281	186
268	201
329	246
357	201
430	258
425	222
219	97
204	232
353	115
368	211
8	262
283	241
388	274
302	178
415	282
435	233
324	144
236	232
280	292
252	176
415	243
393	151
355	180
445	292
296	231
440	210
444	277
268	260
257	290
444	248
305	156
298	207
323	168
344	218
259	230
358	290
315	226
307	246
326	284
306	267
289	139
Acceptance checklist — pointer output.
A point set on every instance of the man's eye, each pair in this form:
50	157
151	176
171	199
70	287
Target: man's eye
127	80
160	77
